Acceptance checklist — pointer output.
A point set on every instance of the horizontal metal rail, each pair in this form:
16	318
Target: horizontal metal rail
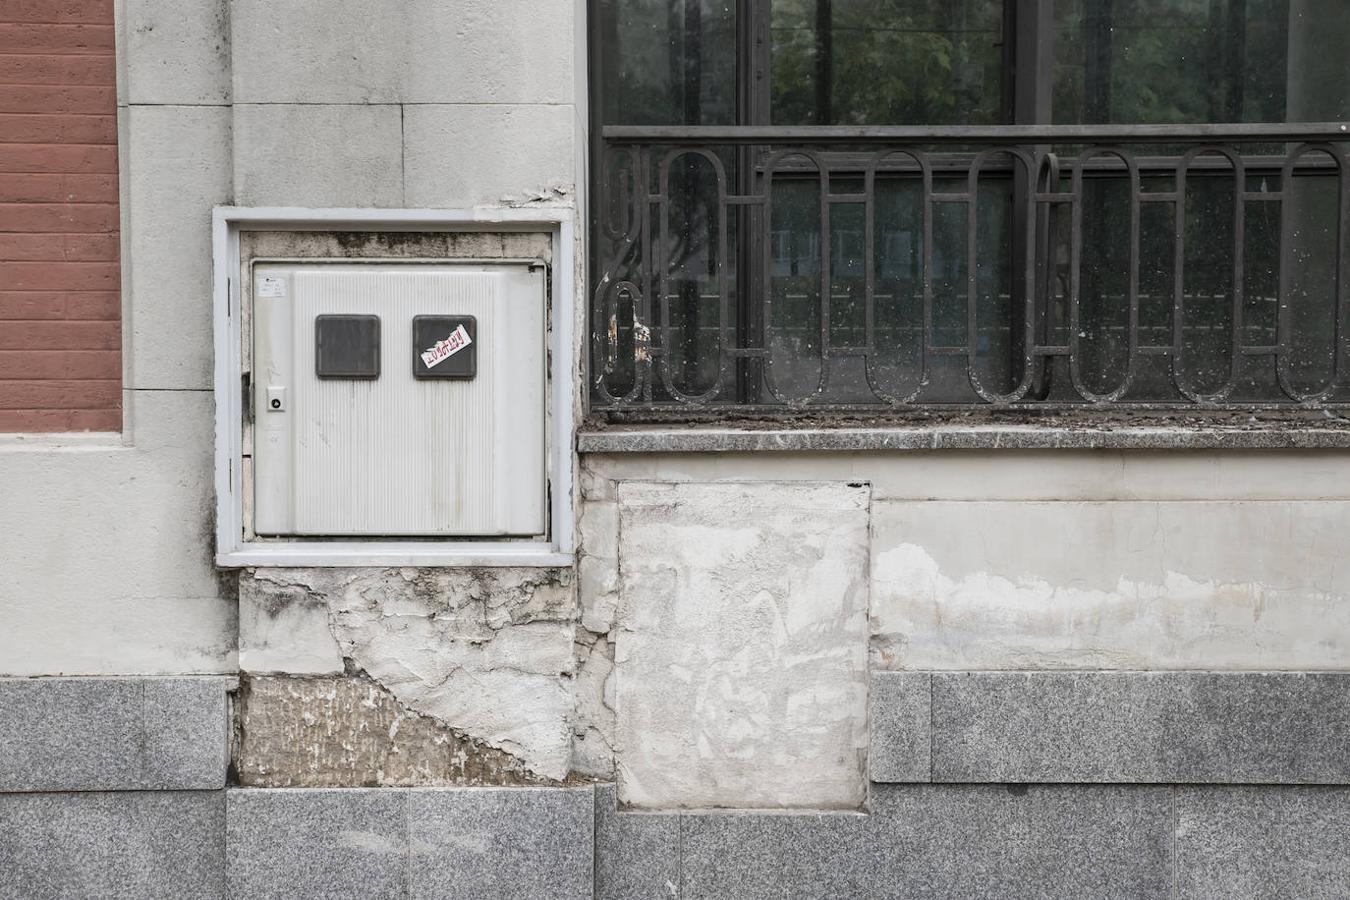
976	134
893	286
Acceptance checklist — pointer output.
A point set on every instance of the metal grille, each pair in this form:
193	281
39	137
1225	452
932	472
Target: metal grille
763	268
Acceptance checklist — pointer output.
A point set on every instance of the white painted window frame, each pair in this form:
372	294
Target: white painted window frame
232	550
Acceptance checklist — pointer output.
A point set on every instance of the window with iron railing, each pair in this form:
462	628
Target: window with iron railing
1012	204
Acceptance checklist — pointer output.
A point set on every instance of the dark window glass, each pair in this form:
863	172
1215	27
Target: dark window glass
887	62
668	62
1191	61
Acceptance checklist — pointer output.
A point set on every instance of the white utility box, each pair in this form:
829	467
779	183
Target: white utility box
399	399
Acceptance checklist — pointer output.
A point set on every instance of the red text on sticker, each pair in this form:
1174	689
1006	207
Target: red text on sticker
457	341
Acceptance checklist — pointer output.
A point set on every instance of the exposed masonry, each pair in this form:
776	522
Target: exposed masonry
498	657
350	731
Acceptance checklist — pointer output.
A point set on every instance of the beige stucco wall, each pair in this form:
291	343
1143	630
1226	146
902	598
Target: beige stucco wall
106	565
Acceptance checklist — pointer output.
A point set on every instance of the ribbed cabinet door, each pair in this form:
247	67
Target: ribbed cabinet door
402	456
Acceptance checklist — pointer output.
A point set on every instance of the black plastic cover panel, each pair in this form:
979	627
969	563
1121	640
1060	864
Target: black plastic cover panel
445	346
347	346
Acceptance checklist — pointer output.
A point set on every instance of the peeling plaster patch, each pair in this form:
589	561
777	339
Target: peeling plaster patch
397	244
351	732
550	195
598	593
741	651
285	628
593	725
1127	585
490	652
598	565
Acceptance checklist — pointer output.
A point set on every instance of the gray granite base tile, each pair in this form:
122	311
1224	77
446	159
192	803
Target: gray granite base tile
900	716
328	843
1141	727
186	725
754	855
1067	841
112	845
504	843
92	734
636	854
919	840
1269	842
73	734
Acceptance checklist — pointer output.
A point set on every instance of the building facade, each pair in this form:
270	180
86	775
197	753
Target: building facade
893	449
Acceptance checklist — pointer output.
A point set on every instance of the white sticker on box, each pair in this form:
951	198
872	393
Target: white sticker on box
271	287
457	341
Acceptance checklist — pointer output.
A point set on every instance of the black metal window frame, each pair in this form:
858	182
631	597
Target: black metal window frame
1026	149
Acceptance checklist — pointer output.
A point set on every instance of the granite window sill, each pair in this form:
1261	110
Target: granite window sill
704	439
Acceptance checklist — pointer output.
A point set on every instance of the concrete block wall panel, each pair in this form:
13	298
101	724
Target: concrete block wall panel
340	52
60	304
285	630
420	52
106	567
179	165
446	106
532	156
317	155
491	52
177	52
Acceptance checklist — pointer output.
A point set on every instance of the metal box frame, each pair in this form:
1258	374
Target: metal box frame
234	549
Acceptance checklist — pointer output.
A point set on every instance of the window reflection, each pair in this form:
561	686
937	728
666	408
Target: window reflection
887	62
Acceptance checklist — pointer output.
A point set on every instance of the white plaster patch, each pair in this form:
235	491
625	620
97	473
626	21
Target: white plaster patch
1128	585
740	656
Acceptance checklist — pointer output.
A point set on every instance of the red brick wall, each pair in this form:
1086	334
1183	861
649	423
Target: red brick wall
60	342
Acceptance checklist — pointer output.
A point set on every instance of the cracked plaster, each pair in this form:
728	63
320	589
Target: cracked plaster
490	652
